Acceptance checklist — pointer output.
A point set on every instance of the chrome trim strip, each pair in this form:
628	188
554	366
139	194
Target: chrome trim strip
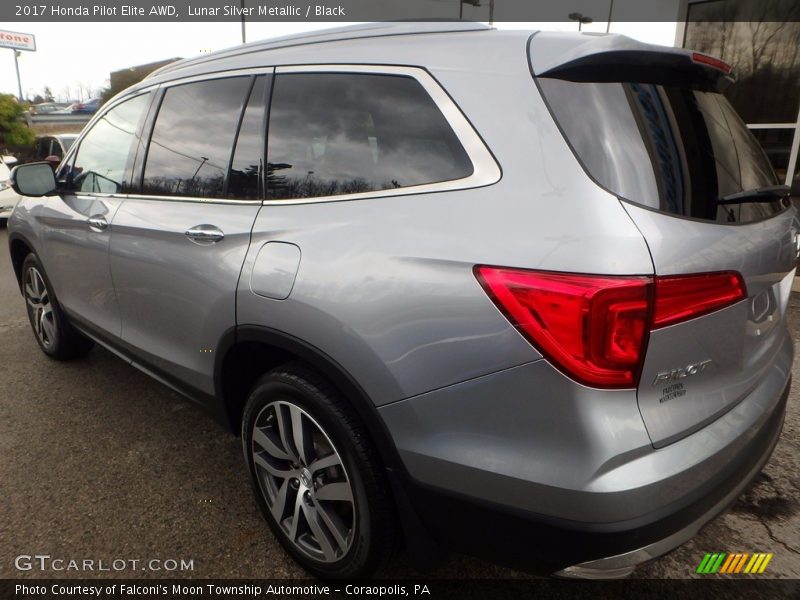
485	170
192	199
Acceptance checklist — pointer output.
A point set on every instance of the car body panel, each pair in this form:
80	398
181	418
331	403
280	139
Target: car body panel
740	341
177	297
76	255
502	448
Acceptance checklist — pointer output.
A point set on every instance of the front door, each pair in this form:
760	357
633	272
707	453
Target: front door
179	244
77	225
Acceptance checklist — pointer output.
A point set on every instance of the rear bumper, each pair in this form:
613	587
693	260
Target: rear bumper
611	511
621	565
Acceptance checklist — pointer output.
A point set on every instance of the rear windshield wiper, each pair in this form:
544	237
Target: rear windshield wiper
761	194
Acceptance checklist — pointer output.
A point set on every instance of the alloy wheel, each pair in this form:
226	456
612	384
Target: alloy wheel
304	481
40	307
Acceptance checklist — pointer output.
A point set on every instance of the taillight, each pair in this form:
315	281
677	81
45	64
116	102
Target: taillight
710	61
594	327
683	297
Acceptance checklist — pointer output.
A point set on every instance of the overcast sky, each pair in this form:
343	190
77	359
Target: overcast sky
71	57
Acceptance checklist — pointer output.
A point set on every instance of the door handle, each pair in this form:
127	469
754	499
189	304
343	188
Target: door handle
205	235
97	223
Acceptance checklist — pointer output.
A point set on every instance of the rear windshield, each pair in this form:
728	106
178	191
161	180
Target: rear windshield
674	149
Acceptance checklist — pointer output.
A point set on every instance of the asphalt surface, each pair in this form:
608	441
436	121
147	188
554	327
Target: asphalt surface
99	462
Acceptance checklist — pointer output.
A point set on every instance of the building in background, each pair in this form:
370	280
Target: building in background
766	55
124	78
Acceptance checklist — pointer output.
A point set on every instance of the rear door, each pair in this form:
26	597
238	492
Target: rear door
704	196
179	242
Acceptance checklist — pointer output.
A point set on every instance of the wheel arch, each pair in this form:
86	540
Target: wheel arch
19	247
247	352
277	347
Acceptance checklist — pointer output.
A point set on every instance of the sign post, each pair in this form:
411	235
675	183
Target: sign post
17	41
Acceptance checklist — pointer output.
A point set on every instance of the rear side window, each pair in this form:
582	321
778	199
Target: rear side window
192	140
346	133
678	150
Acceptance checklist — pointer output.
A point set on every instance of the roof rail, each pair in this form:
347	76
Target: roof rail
335	34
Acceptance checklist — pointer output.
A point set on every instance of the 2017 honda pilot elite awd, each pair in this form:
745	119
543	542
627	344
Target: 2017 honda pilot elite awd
523	294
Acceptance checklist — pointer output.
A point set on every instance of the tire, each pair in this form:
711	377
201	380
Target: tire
304	492
55	336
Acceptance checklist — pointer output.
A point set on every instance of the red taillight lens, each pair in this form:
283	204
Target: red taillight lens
593	328
705	59
684	297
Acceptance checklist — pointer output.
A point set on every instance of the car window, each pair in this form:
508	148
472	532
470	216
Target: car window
345	133
247	167
193	136
671	148
102	159
42	148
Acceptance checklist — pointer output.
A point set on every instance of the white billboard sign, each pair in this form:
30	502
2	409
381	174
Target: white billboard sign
17	41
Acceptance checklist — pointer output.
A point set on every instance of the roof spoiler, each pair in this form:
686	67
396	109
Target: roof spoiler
616	58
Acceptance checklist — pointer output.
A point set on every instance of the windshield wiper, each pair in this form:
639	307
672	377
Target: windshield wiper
761	194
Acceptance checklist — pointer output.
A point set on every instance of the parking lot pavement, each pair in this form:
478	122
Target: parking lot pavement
98	461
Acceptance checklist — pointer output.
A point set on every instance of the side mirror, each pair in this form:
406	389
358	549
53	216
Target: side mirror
34	179
10	160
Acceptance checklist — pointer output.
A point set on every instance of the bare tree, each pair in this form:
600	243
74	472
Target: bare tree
84	90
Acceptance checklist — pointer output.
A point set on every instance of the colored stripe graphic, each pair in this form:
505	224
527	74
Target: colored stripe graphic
711	563
728	562
737	562
704	563
718	563
764	564
741	562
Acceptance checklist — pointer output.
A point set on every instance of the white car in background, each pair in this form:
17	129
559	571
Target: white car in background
8	197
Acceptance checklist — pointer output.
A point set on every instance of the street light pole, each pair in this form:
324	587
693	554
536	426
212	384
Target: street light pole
244	38
16	66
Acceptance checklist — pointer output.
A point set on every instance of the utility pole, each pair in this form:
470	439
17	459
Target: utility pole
244	37
16	66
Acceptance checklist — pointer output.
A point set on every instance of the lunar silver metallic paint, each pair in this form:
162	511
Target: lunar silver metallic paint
382	285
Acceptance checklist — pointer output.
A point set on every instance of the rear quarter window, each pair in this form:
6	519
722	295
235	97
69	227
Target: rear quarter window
333	134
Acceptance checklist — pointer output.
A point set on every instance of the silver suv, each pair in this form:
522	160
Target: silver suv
519	293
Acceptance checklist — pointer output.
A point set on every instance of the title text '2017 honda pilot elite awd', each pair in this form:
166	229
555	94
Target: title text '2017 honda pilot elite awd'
522	294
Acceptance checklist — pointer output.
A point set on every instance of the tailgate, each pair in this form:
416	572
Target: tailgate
697	370
653	127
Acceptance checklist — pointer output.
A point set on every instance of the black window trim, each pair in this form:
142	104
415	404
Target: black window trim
136	172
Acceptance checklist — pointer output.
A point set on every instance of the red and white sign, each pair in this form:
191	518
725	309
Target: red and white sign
18	41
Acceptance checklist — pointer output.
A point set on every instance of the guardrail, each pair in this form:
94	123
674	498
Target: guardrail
66	119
